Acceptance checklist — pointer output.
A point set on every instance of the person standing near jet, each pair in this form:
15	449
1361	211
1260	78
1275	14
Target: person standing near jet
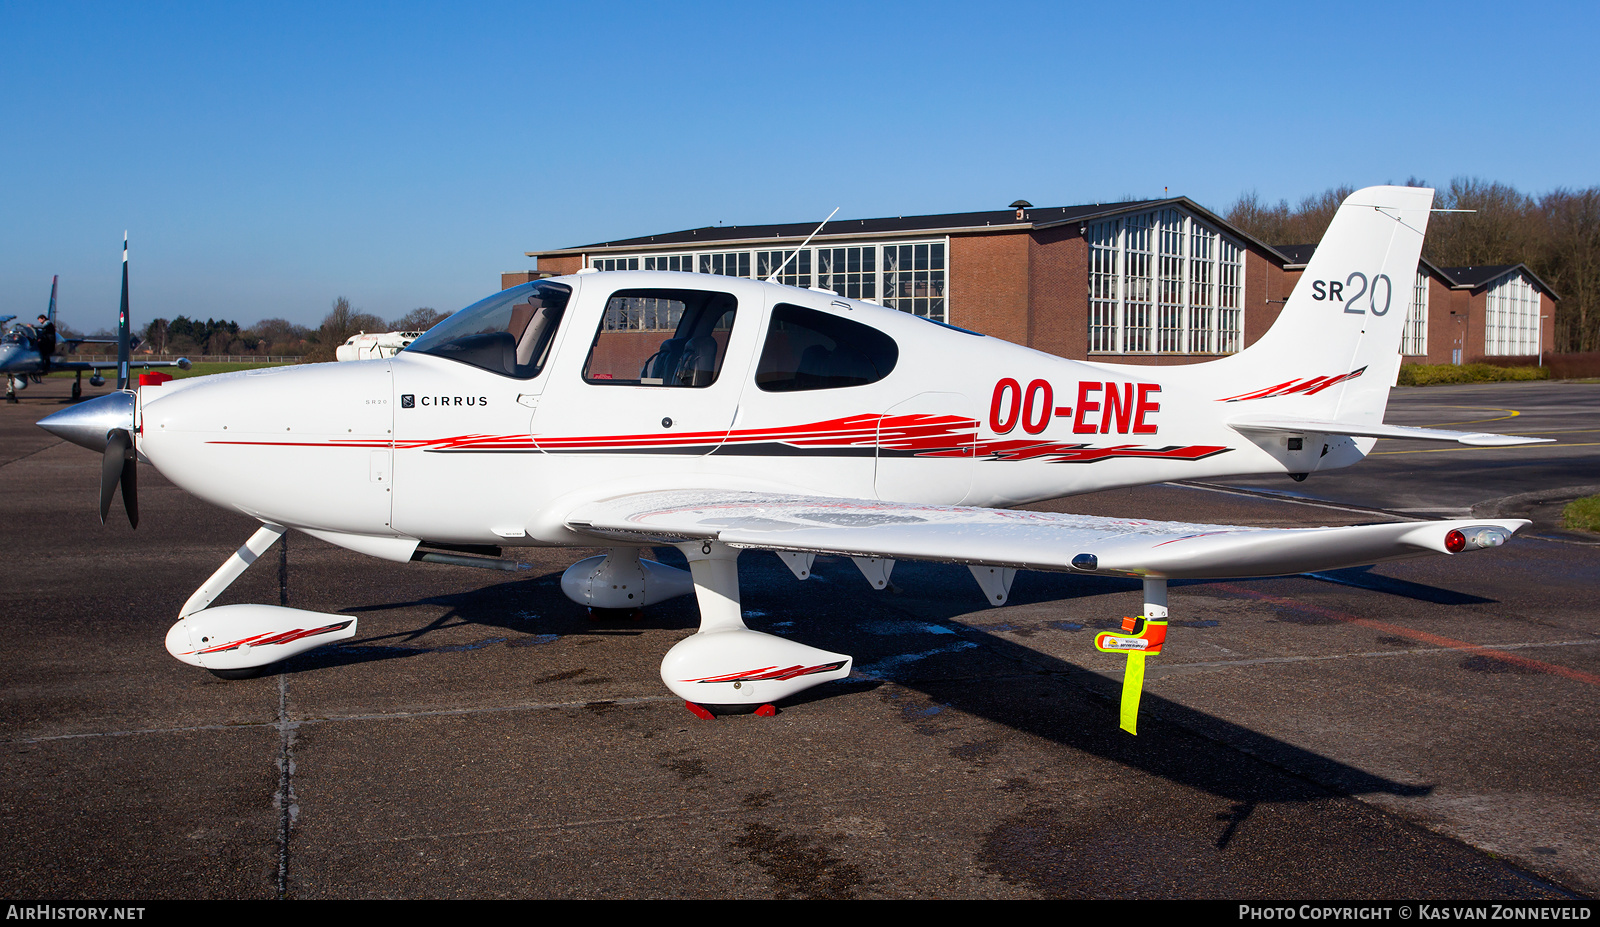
45	338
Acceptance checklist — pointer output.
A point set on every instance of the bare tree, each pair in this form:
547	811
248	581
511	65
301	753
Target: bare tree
1501	229
1557	236
1280	225
1571	258
419	319
155	336
338	325
279	336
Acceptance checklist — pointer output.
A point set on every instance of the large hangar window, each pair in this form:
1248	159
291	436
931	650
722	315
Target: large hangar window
1163	282
1511	317
909	276
661	338
1414	341
807	350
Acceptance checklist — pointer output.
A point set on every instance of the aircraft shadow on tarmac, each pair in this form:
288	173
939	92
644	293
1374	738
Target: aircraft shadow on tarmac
1363	578
970	670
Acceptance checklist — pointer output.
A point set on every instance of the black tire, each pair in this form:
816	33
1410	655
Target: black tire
249	672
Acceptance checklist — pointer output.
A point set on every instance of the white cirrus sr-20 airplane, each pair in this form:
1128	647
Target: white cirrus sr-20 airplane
556	414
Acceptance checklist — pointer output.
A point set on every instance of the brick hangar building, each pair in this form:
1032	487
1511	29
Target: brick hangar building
1146	282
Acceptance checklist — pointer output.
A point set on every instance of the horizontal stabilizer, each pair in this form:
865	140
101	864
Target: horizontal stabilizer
1292	426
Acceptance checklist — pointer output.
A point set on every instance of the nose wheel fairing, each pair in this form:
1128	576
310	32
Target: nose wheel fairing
727	667
238	637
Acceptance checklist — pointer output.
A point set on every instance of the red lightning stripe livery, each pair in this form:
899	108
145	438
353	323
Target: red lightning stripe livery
1309	387
935	436
282	637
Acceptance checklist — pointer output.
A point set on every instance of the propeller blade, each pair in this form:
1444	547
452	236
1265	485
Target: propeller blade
118	444
130	486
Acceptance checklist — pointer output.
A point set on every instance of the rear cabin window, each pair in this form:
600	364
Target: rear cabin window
661	338
808	350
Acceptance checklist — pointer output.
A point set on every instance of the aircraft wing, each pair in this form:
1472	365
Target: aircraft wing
69	365
1019	540
1292	426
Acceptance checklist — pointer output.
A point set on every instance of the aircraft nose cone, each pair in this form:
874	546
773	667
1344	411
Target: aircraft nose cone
88	423
8	355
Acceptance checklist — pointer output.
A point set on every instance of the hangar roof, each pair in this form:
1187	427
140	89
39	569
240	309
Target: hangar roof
943	223
1470	278
1458	278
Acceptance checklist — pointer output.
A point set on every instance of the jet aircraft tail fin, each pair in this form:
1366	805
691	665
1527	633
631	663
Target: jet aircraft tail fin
50	314
124	348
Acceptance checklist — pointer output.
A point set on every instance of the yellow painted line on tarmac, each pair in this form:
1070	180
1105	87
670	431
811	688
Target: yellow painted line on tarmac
1512	413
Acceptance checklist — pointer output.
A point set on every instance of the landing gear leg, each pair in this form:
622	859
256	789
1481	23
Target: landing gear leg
11	391
238	641
727	668
1140	637
77	387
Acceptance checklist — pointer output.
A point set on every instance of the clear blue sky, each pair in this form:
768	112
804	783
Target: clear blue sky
269	157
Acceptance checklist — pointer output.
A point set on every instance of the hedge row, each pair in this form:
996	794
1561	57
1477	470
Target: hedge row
1435	374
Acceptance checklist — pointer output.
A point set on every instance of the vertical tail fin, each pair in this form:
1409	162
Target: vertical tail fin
124	351
50	313
1333	352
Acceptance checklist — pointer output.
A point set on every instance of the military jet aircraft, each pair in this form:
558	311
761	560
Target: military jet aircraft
25	348
718	415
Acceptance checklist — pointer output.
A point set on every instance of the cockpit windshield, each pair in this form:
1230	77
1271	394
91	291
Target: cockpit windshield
509	333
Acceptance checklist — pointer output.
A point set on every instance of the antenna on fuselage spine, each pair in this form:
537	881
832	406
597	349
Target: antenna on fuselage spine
774	277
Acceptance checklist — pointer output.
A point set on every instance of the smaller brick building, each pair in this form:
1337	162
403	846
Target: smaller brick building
1147	282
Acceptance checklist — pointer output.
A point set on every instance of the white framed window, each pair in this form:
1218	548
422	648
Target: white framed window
912	276
1414	342
796	266
1164	282
1230	297
851	271
675	262
1105	286
1511	317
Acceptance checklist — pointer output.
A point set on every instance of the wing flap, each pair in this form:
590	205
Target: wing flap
1004	538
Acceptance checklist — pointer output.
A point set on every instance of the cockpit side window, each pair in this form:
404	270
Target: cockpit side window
653	337
509	333
809	350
